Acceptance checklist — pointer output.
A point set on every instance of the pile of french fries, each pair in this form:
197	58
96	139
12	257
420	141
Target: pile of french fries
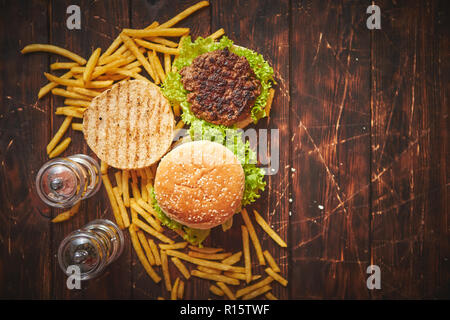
128	55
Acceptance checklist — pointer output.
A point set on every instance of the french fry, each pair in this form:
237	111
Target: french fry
153	65
69	112
155	225
209	270
163	41
112	200
135	189
209	256
257	292
269	230
217	34
123	210
49	86
271	261
54	49
165	269
90	65
158	47
62	65
269	101
141	256
248	289
69	94
205	249
98	84
160	298
59	134
148	251
270	296
174	292
246	249
201	262
216	290
67	214
134	49
155	251
154	24
86	92
276	277
118	177
125	188
240	276
103	167
147	207
180	290
215	277
77	126
226	290
233	259
253	237
60	148
156	32
134	215
152	231
133	65
174	246
181	267
167	63
112	47
182	15
62	81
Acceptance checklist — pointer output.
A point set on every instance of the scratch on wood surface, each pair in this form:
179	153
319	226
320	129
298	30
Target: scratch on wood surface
318	48
33	106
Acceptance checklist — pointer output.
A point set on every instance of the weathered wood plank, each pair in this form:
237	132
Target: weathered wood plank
264	27
24	233
330	122
409	140
143	13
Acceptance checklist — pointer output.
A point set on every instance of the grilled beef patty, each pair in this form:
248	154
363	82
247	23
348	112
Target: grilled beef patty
223	88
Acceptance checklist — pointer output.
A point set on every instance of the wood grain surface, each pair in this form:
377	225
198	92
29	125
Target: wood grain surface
362	117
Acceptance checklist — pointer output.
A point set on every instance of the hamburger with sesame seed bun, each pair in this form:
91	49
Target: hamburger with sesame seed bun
199	184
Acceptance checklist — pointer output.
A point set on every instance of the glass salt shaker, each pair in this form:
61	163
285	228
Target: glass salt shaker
91	248
62	182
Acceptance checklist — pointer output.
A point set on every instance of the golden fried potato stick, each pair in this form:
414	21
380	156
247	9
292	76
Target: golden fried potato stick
63	216
152	231
215	277
118	177
141	256
146	216
182	15
271	261
77	126
70	94
253	287
112	47
125	187
167	63
148	251
158	47
62	65
60	148
181	267
270	296
269	230
216	290
64	82
155	251
226	290
233	259
86	92
103	167
112	200
134	49
90	65
164	41
123	210
59	134
257	292
175	246
276	277
174	292
49	86
77	103
205	249
201	262
165	269
217	34
180	289
54	49
253	236
246	249
209	256
156	32
69	112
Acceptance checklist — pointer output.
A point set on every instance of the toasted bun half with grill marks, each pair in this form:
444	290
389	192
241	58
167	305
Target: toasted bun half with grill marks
130	125
199	184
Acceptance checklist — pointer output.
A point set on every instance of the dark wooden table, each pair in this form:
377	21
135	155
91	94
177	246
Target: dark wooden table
363	123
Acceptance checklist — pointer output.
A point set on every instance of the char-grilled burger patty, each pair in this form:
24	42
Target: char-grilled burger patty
223	87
